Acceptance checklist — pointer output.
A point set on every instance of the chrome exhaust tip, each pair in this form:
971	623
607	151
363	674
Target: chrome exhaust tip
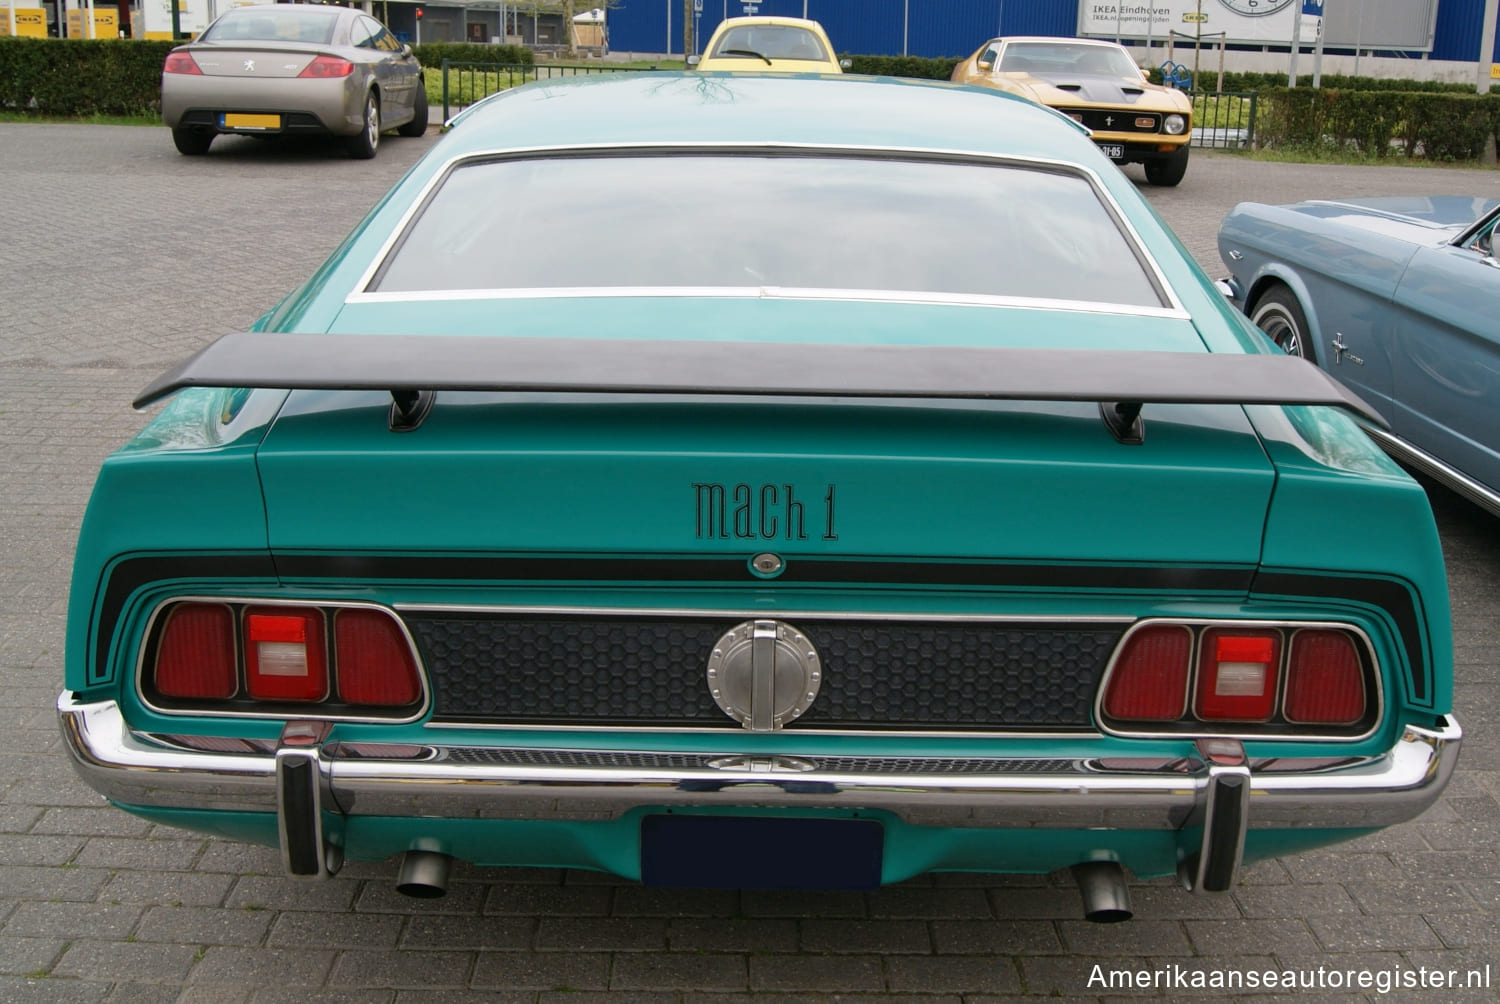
424	874
1106	897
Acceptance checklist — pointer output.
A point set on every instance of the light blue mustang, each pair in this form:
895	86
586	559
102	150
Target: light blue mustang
1399	298
761	482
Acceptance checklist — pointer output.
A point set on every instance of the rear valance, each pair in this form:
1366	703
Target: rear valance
404	364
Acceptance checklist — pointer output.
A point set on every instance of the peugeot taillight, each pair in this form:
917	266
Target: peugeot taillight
1150	678
374	659
327	66
1324	681
195	657
181	62
285	654
1237	675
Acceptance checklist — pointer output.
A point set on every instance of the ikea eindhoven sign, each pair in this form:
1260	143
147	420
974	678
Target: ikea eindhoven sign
1253	21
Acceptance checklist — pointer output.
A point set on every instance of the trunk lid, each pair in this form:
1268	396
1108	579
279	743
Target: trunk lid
254	63
630	474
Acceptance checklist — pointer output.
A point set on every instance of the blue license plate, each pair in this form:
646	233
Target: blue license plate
758	852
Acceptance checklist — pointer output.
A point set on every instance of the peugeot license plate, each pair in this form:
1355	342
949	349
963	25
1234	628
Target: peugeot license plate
230	120
1114	151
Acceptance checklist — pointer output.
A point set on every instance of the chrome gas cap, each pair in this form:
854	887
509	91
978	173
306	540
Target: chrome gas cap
764	674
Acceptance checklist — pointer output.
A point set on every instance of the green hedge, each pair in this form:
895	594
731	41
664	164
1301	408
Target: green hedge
1433	125
902	66
74	78
80	77
432	54
1207	79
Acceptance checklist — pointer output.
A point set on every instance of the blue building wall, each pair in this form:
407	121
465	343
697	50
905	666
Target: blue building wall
938	27
867	27
1460	25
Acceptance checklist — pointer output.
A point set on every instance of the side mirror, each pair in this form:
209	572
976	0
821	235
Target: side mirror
693	60
845	64
985	64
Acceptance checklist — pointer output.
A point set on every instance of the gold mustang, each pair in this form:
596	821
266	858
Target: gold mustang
1098	85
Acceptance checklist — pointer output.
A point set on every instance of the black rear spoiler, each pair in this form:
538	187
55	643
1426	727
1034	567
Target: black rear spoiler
409	365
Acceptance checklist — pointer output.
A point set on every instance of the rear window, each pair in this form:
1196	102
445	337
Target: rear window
262	23
774	41
840	223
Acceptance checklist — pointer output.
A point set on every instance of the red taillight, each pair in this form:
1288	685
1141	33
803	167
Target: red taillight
375	663
1324	682
181	62
1237	675
195	657
327	66
1149	682
285	657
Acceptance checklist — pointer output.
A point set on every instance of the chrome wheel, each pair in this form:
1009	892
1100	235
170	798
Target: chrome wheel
363	144
1280	316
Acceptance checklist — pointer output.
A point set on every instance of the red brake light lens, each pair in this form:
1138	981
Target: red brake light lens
375	662
181	62
195	657
327	66
1324	682
1149	682
1237	675
285	655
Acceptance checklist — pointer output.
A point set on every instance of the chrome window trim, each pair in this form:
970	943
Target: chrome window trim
1474	229
772	293
1154	274
1245	735
422	709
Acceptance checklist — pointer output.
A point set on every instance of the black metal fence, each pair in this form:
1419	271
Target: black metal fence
1223	120
466	83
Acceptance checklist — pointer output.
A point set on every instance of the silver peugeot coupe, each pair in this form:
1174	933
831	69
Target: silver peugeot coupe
281	69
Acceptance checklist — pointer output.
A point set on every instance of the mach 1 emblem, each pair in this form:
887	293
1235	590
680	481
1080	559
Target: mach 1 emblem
760	512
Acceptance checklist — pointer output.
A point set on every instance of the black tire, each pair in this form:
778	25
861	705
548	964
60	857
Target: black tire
1169	170
1280	316
192	142
362	145
418	124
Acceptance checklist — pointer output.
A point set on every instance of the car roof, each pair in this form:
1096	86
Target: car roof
294	9
1051	40
655	108
794	22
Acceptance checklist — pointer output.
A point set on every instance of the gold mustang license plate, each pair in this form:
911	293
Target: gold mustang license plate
1114	151
230	120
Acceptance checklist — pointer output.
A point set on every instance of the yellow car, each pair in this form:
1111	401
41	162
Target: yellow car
770	45
1098	85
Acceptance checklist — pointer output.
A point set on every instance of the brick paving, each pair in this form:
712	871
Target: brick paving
119	257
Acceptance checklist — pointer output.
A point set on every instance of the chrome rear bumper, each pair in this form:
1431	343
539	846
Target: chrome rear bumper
465	782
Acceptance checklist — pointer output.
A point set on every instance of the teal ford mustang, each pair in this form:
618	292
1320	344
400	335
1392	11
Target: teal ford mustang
761	482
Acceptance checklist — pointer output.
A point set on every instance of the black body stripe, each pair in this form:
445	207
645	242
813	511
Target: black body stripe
1392	597
133	573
